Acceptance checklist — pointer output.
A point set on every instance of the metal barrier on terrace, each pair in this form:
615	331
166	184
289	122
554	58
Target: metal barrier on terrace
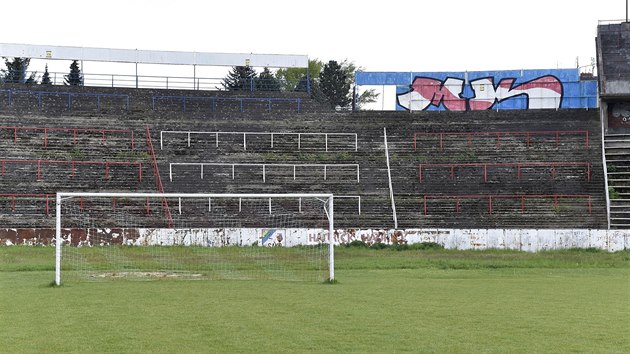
439	136
240	203
272	134
216	99
46	197
70	95
518	165
74	131
72	163
263	165
173	82
158	178
49	196
522	197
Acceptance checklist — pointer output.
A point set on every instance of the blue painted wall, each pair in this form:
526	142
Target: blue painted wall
575	93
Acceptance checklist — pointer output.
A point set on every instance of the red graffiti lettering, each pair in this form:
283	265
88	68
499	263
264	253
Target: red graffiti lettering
543	92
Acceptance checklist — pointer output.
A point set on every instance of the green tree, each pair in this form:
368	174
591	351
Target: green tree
294	79
74	78
335	85
240	78
266	81
367	96
16	71
46	77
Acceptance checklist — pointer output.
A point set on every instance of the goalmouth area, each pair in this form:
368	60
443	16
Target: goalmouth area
195	242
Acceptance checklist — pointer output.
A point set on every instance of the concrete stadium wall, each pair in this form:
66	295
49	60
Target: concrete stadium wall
530	240
374	210
613	60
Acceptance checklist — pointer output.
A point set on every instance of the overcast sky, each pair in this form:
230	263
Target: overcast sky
444	35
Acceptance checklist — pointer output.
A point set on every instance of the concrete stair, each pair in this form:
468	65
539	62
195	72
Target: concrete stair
617	150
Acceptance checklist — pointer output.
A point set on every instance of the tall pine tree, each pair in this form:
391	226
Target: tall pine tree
74	78
46	77
334	84
266	81
16	71
240	78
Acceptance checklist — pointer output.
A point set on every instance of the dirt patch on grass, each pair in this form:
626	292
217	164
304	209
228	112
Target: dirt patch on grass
146	275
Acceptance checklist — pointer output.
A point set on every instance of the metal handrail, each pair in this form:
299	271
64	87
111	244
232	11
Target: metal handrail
518	165
215	99
39	93
166	82
263	165
72	163
611	22
522	197
271	134
29	195
158	177
73	130
469	135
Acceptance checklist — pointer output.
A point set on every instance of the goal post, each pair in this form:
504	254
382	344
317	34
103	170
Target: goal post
101	235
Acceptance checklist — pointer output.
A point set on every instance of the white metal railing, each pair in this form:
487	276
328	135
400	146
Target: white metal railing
611	22
240	203
270	134
357	197
605	165
263	165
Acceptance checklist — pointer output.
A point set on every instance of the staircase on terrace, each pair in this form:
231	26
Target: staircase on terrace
617	150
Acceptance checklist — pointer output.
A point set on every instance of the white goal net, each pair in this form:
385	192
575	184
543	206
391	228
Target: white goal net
103	236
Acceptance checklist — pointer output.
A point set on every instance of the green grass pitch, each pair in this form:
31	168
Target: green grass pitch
385	301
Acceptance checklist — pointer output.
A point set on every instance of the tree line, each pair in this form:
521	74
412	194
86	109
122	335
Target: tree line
332	83
16	72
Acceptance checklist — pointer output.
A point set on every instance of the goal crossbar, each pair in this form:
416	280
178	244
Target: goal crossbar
61	196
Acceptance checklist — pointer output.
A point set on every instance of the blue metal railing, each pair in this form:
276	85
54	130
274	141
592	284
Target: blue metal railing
215	99
70	95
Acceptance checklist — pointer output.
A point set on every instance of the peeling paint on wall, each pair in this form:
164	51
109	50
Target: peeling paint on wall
530	240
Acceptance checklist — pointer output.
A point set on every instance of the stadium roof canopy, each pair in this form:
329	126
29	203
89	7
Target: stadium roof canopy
152	56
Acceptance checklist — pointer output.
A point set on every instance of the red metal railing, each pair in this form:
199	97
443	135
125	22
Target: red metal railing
522	197
528	134
13	196
71	163
518	165
74	131
158	179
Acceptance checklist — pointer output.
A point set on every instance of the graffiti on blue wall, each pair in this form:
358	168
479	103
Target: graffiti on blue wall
509	89
542	92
